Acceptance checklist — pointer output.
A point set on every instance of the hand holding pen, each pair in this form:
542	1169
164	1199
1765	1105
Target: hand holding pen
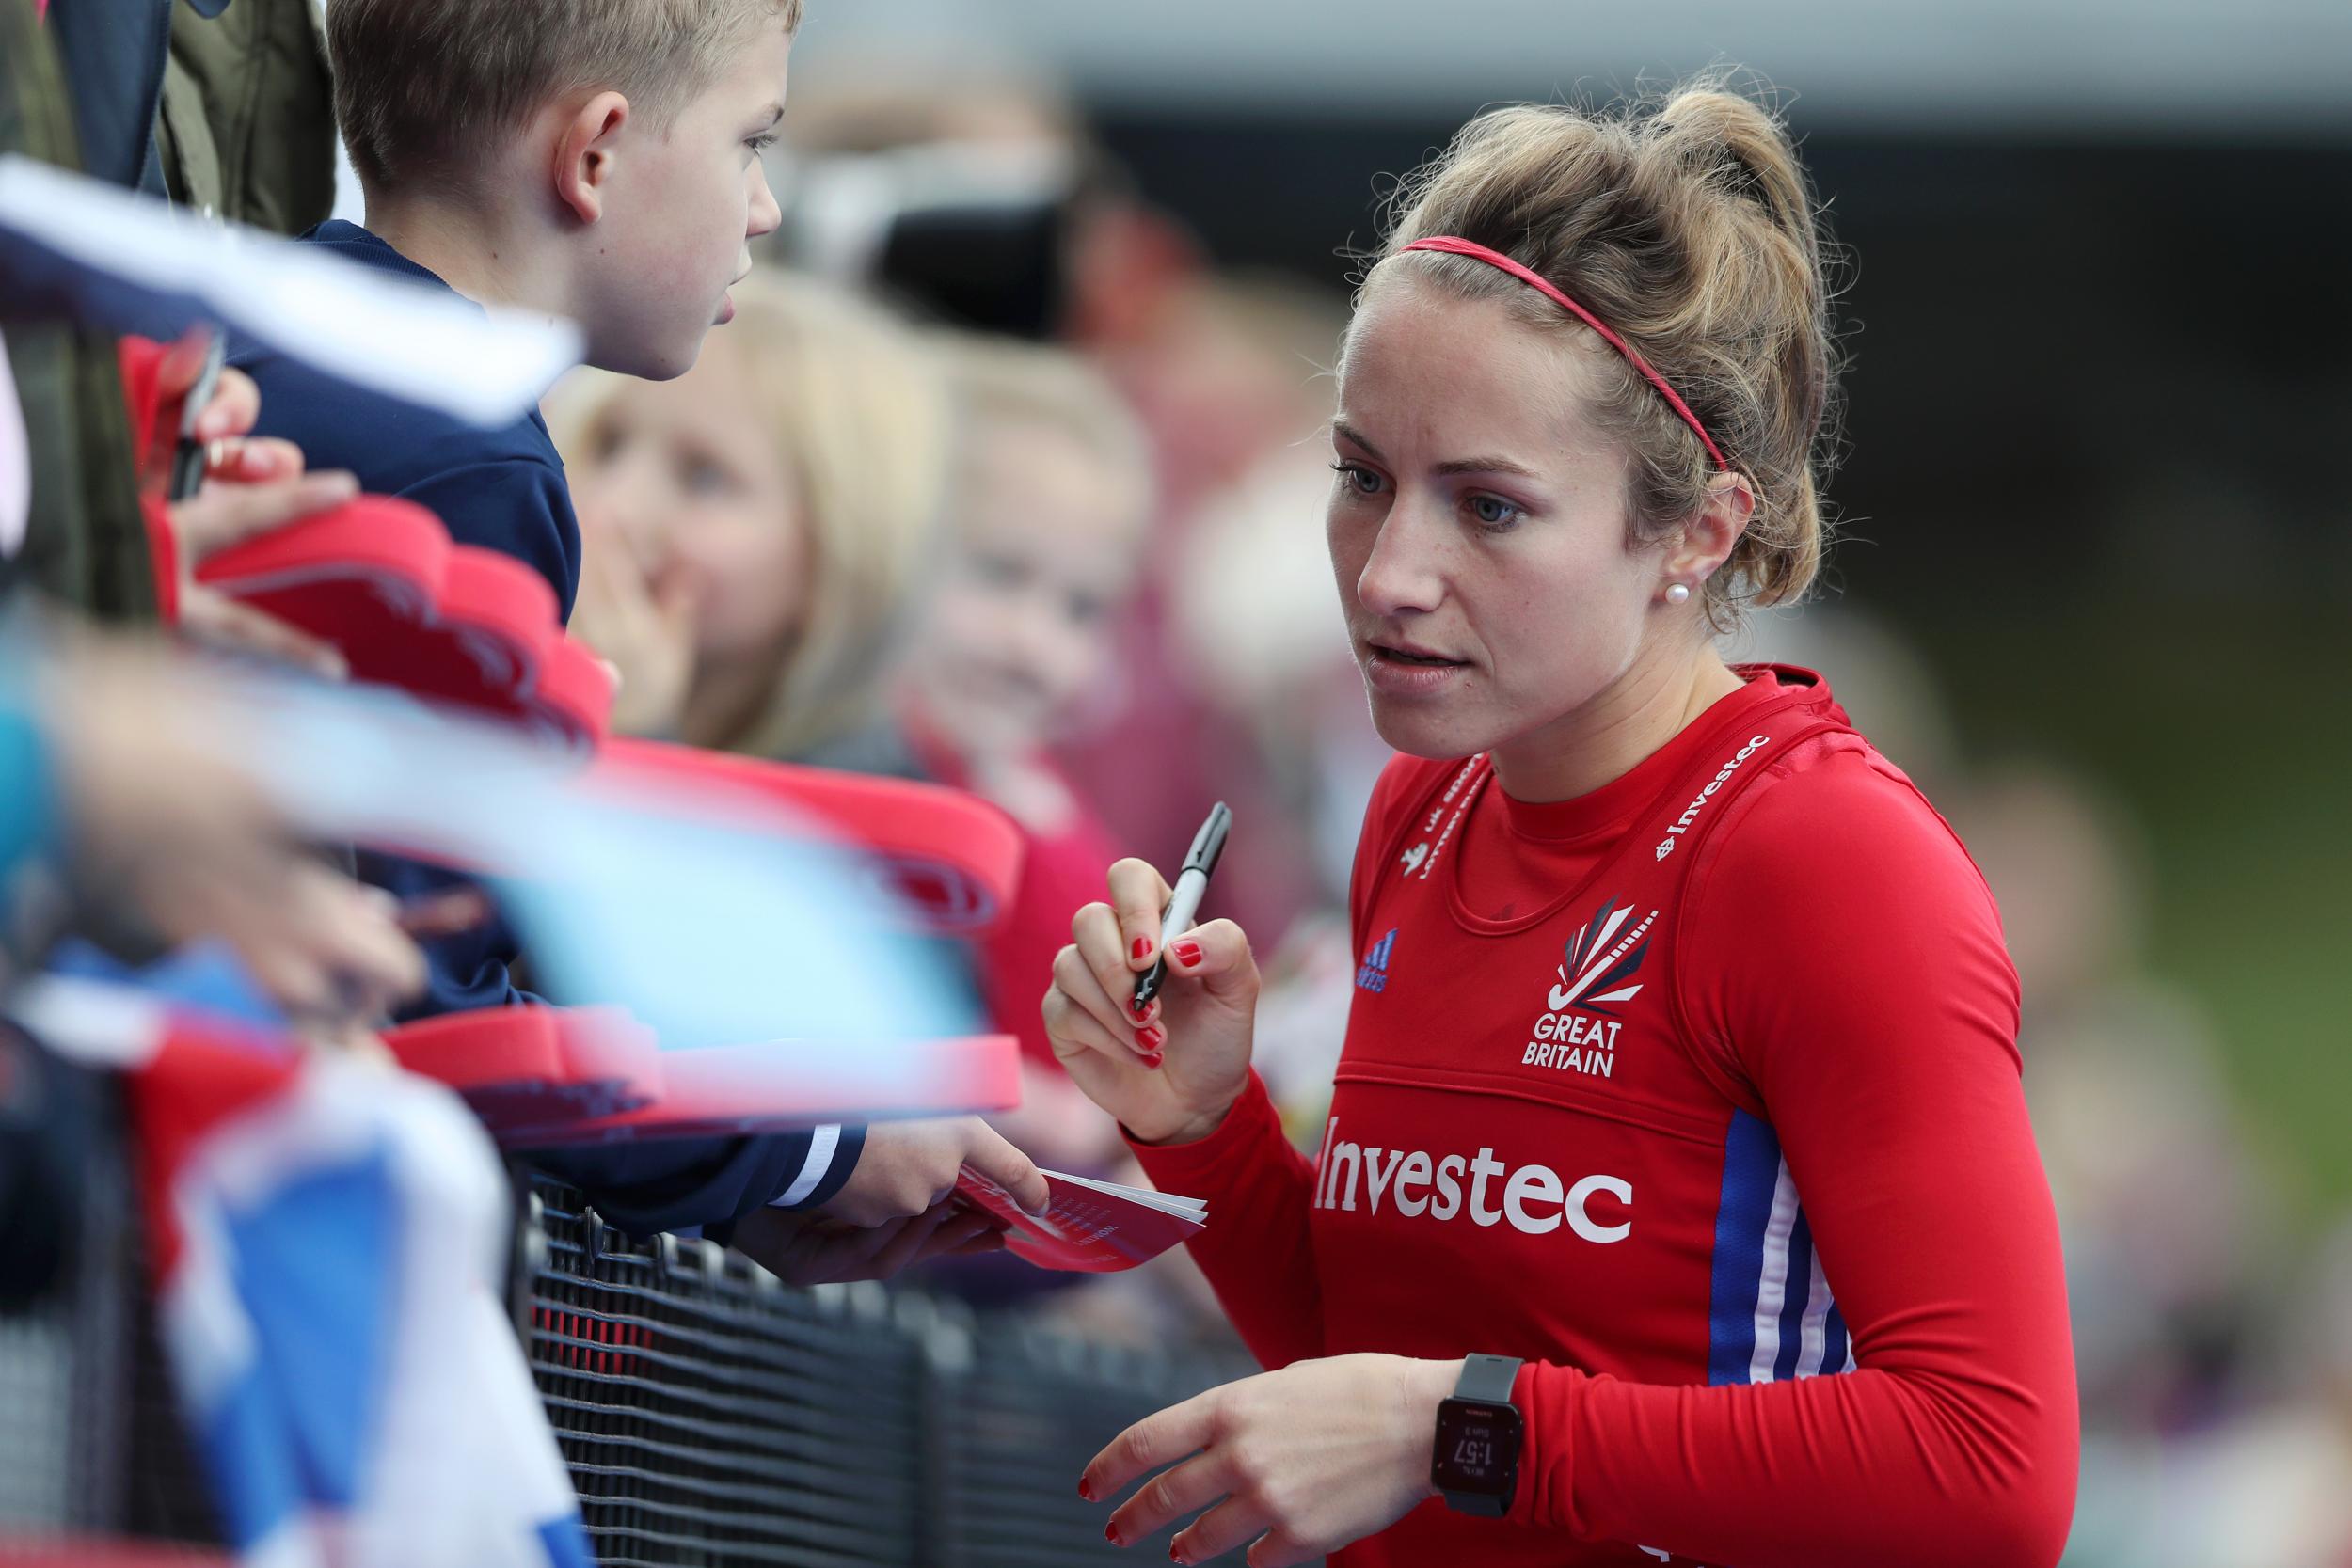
1150	1014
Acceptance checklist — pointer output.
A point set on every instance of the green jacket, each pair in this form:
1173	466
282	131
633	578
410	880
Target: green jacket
247	126
246	133
85	544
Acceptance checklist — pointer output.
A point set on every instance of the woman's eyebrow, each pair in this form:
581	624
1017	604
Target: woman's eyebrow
1485	466
1342	428
1457	466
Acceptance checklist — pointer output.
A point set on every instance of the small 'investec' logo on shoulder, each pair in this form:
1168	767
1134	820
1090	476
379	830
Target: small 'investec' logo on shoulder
1690	812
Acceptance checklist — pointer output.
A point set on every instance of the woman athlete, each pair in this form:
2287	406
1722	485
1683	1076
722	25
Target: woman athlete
1678	1203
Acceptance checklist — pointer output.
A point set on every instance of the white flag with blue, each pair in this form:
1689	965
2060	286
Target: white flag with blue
329	1237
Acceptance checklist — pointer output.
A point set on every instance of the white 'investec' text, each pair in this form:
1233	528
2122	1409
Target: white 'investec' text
1533	1198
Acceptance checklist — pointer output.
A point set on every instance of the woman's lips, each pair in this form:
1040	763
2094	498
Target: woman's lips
1408	672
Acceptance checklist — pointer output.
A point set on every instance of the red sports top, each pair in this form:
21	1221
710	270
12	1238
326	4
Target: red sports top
1631	1082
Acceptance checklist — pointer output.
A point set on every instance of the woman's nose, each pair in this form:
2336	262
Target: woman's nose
1404	574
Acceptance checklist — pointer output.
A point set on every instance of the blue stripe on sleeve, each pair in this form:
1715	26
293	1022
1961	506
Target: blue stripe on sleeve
1800	1294
1751	1169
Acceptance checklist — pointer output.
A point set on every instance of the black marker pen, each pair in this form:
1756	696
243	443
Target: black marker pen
187	459
1183	902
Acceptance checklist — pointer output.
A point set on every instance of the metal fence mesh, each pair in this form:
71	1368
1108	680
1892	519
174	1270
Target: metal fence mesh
714	1418
710	1416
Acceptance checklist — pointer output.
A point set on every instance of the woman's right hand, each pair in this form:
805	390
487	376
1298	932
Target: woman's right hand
1171	1075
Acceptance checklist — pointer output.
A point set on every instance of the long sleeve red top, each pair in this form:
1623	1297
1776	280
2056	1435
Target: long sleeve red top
1629	1081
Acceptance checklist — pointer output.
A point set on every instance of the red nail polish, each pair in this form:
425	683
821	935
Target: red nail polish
1142	947
1152	1059
1173	1555
1142	1008
1084	1490
1187	953
1151	1037
1110	1533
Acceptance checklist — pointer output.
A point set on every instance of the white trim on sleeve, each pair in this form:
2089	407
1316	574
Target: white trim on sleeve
822	1141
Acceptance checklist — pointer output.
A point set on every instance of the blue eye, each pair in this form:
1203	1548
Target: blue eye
1495	513
1357	478
702	477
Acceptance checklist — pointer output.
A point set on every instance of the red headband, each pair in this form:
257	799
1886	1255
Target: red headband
1533	279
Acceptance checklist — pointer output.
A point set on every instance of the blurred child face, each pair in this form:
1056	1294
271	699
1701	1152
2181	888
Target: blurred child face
684	477
684	206
1019	626
1478	526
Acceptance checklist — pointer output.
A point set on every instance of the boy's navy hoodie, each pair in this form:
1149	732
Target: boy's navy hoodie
504	490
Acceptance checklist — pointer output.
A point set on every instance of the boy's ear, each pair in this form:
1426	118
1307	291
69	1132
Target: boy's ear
584	150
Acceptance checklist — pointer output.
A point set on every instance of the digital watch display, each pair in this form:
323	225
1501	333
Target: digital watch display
1475	1459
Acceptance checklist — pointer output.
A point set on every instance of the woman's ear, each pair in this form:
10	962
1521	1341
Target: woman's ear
585	147
1713	531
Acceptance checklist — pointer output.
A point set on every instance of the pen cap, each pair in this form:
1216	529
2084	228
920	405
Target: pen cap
1208	843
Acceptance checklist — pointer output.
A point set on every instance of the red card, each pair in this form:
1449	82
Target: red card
1091	1226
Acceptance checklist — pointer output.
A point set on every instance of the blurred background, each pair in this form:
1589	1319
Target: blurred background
2095	561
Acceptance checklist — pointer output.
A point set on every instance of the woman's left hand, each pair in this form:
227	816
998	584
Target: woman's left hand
1307	1458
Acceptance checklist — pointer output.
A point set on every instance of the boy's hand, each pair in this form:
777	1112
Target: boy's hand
909	1169
811	1249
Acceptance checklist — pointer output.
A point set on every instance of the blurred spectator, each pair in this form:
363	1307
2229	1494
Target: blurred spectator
1053	493
766	566
756	532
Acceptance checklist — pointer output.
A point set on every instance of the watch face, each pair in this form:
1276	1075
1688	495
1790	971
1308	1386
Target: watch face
1477	1449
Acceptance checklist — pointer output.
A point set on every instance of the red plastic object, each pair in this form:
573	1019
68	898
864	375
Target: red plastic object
91	1551
541	1076
954	856
532	1066
379	580
728	1090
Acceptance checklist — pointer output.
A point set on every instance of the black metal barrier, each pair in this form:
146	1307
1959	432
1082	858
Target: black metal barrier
712	1416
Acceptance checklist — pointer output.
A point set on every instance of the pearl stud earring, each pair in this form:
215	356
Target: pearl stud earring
1679	593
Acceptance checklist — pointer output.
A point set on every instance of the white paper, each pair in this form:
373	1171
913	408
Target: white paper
406	339
1193	1209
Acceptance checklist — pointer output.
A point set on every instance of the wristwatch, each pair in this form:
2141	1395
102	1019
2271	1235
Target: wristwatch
1475	1462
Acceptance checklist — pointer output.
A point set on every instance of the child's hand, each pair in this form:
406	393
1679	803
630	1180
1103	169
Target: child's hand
251	486
646	633
231	508
802	1248
908	1168
166	827
1171	1073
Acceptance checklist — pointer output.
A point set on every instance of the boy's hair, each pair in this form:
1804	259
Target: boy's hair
422	87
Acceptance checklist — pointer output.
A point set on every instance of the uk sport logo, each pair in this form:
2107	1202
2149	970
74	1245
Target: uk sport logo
1577	1030
1373	973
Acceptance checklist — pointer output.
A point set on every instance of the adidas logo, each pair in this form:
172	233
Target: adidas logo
1374	975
